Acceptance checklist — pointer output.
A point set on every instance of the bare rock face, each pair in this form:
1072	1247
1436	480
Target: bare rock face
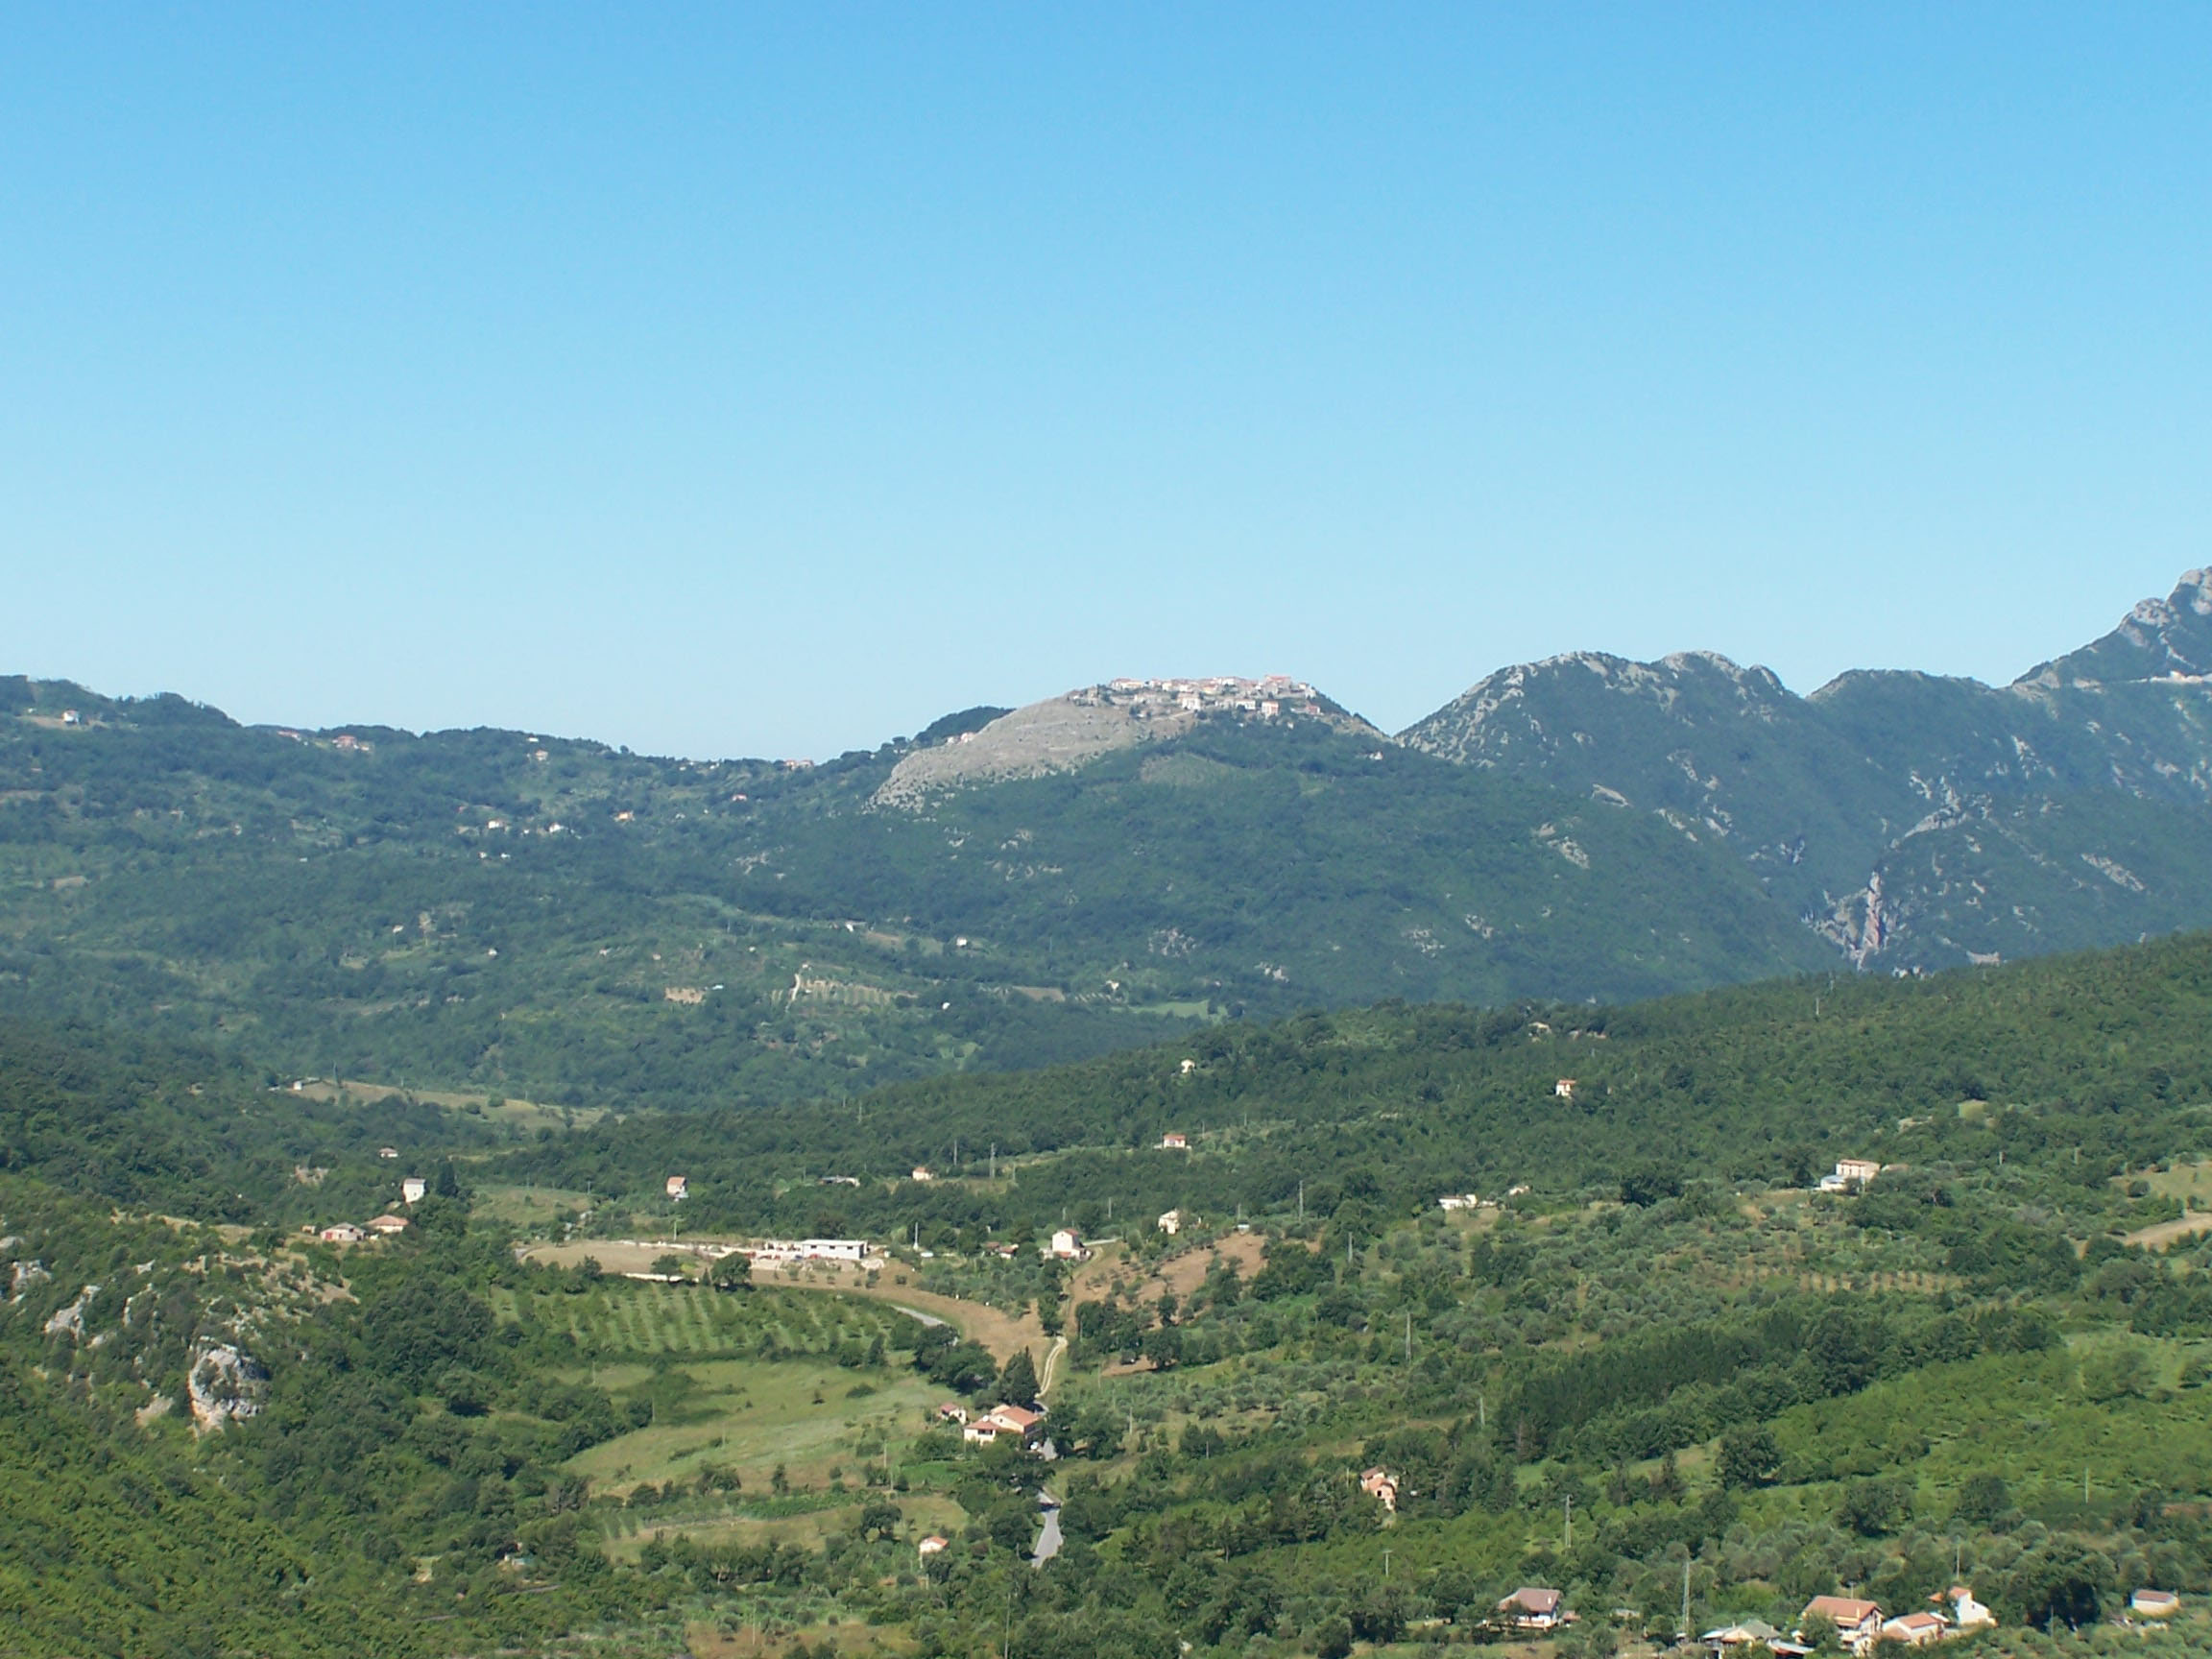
70	1320
1056	735
1062	734
225	1383
2159	639
22	1275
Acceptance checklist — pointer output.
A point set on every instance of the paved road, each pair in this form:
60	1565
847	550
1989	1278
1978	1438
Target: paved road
1048	1540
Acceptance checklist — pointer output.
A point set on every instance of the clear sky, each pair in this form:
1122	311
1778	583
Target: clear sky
771	379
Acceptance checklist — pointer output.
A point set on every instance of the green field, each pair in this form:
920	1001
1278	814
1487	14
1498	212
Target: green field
629	1319
753	1415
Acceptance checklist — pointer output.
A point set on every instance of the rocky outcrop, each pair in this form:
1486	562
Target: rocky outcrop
70	1320
225	1383
22	1276
2160	638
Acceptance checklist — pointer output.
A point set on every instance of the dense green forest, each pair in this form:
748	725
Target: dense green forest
227	1436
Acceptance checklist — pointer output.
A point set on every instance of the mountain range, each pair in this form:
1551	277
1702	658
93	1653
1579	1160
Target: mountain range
561	919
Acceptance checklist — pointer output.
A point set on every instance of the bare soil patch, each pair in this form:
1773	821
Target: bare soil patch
2159	1235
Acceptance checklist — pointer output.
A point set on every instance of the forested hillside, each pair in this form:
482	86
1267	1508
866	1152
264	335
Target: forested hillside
557	921
2084	1066
1987	1363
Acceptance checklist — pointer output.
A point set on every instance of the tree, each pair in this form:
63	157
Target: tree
1648	1185
1164	1347
2062	1583
1749	1458
1873	1507
1017	1382
1984	1498
731	1272
670	1265
879	1519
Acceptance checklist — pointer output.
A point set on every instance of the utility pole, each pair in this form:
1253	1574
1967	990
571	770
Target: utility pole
994	1160
1482	1410
1301	1201
1567	1540
1408	1335
1686	1600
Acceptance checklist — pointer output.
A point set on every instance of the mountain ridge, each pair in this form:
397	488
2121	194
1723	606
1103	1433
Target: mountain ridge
565	919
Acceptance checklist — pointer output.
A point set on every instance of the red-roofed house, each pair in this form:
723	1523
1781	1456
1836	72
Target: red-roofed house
1014	1420
1858	1622
2153	1603
1533	1607
1916	1629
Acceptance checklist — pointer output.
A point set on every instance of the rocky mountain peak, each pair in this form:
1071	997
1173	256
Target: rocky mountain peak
2158	640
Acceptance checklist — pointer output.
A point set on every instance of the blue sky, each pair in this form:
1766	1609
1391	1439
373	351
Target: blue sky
770	380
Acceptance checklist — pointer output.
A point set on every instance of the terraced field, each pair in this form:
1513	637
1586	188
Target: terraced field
630	1320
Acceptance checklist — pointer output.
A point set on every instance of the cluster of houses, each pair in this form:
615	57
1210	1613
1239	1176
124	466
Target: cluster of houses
1266	697
386	1226
1471	1201
1859	1625
1015	1424
775	1251
350	1233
